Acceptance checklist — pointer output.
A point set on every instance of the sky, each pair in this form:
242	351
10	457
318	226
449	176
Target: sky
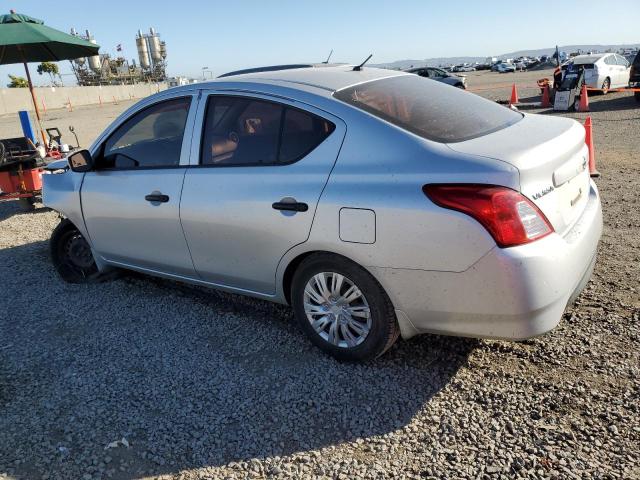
229	35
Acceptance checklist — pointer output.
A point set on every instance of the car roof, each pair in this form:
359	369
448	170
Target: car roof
328	78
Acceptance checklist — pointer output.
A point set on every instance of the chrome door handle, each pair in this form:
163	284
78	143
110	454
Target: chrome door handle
157	197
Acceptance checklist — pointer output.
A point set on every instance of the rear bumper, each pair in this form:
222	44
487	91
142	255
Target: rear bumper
512	293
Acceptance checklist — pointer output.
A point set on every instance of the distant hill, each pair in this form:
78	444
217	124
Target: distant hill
434	62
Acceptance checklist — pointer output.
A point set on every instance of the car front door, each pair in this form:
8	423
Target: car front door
131	200
263	164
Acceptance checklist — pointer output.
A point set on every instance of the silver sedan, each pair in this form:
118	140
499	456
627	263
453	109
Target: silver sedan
377	204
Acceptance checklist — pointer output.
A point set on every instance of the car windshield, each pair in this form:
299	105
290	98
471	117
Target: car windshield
432	110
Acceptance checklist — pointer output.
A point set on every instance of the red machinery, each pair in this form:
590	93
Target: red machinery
22	165
21	168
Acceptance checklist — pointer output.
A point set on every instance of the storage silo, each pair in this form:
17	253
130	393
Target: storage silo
143	51
154	46
94	62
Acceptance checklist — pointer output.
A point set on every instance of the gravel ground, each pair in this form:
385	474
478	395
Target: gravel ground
143	378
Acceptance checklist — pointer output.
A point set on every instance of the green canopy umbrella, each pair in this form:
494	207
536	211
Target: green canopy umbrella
25	39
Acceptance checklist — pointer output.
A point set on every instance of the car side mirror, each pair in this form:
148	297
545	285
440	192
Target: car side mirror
81	161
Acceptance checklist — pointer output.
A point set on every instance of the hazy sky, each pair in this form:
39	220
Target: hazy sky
237	34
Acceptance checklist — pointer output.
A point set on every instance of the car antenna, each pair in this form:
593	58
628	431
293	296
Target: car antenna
327	60
359	67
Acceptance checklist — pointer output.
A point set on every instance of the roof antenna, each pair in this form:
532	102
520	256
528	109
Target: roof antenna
359	67
327	60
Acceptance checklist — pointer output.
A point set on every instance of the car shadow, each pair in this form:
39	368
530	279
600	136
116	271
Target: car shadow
10	208
612	102
188	377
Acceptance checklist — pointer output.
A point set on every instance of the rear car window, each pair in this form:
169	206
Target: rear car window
241	131
432	110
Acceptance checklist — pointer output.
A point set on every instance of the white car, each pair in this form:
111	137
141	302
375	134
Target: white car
602	70
505	67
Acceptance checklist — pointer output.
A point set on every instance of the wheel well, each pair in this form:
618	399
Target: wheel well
64	224
287	278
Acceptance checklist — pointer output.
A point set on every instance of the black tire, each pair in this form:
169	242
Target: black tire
606	85
71	254
384	329
637	96
461	85
27	204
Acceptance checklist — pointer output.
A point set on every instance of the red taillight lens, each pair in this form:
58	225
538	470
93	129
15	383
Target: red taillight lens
510	217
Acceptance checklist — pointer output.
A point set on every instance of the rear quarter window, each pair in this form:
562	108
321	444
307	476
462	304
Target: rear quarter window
430	109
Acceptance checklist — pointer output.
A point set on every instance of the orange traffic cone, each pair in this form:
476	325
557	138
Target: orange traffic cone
514	95
588	139
584	99
546	100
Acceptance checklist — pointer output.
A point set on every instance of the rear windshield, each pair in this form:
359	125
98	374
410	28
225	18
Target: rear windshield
430	109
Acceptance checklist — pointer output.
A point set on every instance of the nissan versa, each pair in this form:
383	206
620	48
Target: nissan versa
376	203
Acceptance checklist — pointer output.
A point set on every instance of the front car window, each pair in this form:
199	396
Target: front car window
432	110
241	131
150	138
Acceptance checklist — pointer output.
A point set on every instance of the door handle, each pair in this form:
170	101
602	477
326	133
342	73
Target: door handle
157	197
291	206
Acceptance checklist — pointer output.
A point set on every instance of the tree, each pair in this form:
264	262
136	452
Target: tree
17	82
51	69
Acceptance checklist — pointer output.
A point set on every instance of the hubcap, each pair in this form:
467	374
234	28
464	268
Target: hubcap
337	309
78	252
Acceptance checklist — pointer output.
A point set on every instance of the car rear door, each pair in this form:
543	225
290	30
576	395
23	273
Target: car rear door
131	200
261	165
623	71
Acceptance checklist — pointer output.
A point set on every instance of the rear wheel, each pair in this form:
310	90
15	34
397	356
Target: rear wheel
71	254
606	85
342	308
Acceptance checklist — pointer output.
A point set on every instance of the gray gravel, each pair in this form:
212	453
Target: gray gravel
139	377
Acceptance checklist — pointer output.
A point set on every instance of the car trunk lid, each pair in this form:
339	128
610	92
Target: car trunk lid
552	159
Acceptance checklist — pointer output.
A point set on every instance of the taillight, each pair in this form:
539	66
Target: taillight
510	217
